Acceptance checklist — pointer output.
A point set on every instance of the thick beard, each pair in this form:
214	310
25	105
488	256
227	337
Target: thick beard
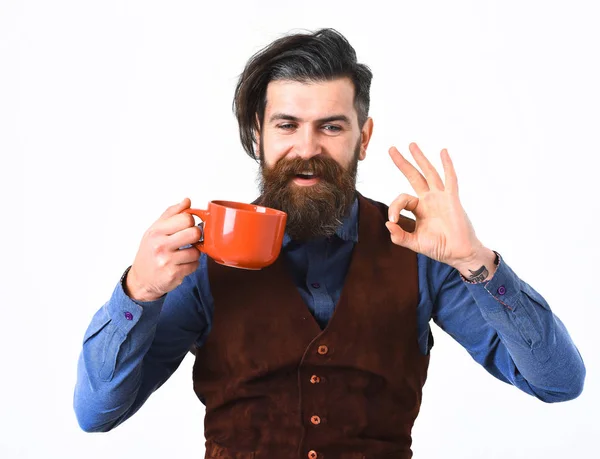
312	211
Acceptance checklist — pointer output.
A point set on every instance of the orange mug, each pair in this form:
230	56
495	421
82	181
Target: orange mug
241	235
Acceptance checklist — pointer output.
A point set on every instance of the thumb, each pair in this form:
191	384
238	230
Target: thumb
176	208
401	237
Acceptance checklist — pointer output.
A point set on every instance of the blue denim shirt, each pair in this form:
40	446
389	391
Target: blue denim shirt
130	349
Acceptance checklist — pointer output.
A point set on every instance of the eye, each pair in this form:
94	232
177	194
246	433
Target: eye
286	126
332	128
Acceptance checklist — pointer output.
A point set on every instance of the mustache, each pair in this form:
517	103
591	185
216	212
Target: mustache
323	167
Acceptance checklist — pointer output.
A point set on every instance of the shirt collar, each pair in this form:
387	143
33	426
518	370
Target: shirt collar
348	231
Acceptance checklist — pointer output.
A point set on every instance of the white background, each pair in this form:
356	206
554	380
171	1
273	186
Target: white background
111	111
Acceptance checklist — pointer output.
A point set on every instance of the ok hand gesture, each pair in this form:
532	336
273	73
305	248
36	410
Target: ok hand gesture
443	230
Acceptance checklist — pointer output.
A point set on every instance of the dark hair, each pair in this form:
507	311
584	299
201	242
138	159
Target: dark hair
304	57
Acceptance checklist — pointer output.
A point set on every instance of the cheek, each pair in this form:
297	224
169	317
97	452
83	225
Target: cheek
344	153
275	149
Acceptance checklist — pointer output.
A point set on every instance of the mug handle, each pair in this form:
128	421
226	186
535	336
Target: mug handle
203	215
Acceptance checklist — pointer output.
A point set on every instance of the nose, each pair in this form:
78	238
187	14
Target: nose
308	144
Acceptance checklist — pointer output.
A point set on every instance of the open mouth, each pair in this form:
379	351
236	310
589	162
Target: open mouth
306	178
306	174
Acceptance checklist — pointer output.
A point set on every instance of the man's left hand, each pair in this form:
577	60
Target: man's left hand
443	230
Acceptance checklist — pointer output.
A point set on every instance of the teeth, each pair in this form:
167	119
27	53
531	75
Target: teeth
307	173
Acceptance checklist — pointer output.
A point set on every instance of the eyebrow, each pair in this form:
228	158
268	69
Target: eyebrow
327	119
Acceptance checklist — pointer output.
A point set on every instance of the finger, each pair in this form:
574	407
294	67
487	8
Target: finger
401	237
433	178
185	256
451	180
176	208
403	201
174	224
413	175
184	237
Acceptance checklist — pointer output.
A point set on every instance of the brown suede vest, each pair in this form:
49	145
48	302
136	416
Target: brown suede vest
277	386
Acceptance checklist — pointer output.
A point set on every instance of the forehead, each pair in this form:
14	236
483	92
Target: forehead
311	100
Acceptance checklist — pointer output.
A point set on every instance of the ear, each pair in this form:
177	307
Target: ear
365	136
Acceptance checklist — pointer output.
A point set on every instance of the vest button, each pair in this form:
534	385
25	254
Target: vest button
315	379
316	420
312	454
323	349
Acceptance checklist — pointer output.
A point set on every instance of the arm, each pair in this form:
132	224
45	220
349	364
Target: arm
131	348
503	323
139	338
510	330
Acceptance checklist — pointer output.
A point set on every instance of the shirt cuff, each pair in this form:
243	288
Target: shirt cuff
503	288
127	313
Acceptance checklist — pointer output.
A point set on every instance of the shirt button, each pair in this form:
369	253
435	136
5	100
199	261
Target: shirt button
501	290
316	420
315	285
128	315
315	379
323	349
312	454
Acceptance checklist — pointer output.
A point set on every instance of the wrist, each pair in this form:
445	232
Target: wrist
135	289
479	268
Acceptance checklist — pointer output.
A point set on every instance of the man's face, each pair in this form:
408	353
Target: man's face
309	147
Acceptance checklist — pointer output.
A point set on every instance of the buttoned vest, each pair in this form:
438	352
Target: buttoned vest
277	386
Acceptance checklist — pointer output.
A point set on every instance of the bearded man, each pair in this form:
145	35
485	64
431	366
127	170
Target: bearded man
324	353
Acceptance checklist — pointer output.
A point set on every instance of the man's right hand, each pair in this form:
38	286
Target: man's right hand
159	265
